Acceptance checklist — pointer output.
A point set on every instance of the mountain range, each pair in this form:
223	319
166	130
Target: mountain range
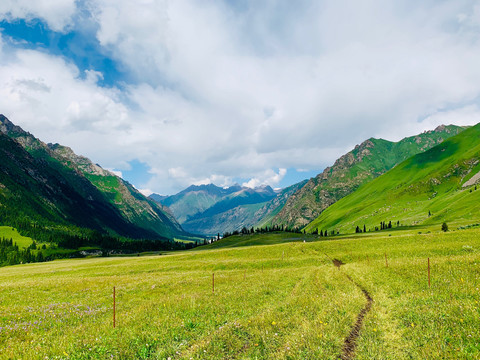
422	179
365	162
208	209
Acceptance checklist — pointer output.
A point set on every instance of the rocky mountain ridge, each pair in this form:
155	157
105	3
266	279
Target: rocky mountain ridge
366	161
98	186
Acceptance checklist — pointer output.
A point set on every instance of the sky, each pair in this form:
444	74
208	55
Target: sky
169	93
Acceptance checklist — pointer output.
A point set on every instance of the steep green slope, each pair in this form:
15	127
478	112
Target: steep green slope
49	183
134	207
367	161
429	188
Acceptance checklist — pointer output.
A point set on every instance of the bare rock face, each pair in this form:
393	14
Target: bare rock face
441	128
85	164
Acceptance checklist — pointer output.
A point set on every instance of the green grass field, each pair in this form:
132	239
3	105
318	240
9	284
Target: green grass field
8	232
280	301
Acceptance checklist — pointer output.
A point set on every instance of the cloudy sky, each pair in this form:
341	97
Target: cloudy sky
175	92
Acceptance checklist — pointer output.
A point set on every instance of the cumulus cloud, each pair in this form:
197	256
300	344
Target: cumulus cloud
219	92
45	95
269	177
56	13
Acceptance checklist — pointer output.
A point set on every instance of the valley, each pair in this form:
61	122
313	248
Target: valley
389	266
284	300
239	180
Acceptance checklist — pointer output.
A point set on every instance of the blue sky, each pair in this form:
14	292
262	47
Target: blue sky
170	94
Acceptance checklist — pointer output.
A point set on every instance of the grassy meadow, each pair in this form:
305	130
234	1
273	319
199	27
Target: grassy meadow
280	301
8	233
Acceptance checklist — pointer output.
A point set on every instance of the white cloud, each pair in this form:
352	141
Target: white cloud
116	172
269	177
46	96
56	13
222	93
146	192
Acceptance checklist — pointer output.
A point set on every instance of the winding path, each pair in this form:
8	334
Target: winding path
350	343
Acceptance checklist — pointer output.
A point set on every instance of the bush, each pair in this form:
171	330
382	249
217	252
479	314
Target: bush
444	227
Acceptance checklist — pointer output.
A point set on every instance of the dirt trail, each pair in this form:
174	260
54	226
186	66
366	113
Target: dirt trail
350	343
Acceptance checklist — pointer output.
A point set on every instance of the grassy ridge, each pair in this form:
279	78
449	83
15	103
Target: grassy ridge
8	233
277	301
430	181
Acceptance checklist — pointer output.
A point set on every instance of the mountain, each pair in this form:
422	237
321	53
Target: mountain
51	184
432	187
365	162
194	199
209	209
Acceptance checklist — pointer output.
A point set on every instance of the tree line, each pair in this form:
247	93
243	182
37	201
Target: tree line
263	230
10	254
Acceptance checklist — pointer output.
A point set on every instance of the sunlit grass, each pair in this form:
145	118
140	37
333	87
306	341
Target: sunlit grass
277	301
8	233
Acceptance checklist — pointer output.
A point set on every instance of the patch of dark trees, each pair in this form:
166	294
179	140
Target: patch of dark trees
263	230
278	228
10	254
383	226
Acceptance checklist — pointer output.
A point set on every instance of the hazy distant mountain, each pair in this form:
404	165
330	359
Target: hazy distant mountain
209	209
250	215
194	199
50	183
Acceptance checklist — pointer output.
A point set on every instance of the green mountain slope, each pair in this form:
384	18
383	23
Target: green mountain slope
49	183
367	161
134	207
429	188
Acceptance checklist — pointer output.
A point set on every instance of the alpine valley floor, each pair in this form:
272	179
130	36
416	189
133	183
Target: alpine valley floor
280	301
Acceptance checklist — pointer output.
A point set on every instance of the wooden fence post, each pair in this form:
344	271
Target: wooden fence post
213	283
386	261
428	272
114	307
